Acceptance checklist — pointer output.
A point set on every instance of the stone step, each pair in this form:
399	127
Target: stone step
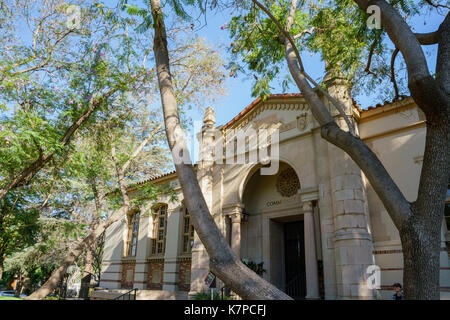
110	294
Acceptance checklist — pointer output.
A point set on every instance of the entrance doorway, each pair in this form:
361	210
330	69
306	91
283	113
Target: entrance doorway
294	249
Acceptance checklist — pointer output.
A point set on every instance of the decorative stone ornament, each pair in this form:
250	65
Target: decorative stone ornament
288	183
209	118
302	121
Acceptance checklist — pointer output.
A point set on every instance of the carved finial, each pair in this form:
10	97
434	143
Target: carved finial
209	118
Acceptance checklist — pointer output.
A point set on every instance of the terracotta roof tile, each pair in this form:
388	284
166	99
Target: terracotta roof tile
378	105
256	101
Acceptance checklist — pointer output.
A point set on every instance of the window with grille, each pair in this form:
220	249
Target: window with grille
187	236
159	232
132	235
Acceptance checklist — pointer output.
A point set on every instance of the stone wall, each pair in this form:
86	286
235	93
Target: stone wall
128	274
184	275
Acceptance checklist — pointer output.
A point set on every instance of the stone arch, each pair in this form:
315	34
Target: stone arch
251	170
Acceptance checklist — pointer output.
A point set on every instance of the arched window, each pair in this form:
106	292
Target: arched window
187	232
133	228
158	244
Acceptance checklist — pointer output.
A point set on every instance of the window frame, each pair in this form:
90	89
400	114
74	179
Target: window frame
189	234
132	233
154	241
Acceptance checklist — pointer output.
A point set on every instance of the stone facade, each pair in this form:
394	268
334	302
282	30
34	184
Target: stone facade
127	275
155	276
313	184
184	275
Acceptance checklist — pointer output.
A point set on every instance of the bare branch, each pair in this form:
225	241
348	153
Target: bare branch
401	35
438	5
301	34
372	49
423	87
394	82
427	38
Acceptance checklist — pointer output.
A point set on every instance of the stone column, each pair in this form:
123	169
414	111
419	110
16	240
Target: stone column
312	278
236	220
141	267
200	258
352	240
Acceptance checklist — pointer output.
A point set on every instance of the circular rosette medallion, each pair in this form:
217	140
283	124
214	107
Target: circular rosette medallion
288	183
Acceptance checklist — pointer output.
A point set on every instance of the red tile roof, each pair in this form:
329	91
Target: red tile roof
298	95
378	105
256	101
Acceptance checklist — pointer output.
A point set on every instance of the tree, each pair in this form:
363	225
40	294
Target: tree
119	142
223	261
33	264
18	225
98	229
419	222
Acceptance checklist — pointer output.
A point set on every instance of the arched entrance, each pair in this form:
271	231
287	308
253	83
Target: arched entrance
274	229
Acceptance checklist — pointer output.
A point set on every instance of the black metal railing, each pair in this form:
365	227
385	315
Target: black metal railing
129	295
294	287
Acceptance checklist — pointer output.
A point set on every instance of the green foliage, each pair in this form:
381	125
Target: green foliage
44	98
46	83
38	260
259	44
178	7
18	223
337	30
257	41
256	267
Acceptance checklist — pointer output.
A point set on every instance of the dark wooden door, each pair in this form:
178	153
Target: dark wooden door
294	253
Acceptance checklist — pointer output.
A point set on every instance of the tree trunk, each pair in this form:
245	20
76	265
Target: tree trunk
421	263
90	253
19	286
223	261
421	237
1	268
